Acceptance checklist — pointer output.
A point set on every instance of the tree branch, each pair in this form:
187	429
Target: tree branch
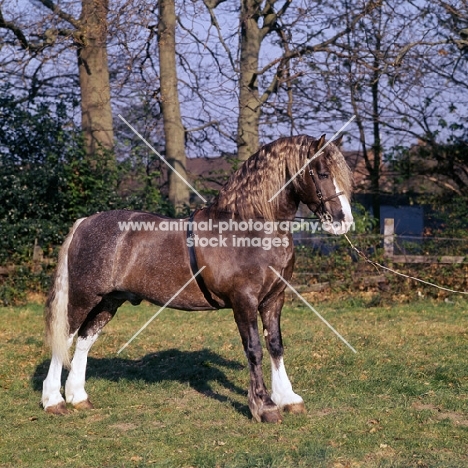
408	47
213	3
213	123
214	22
17	32
60	13
270	18
322	46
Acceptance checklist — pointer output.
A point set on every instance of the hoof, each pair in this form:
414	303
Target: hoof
295	408
83	405
272	417
59	408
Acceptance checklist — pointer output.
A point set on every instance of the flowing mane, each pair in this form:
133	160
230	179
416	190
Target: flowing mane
248	190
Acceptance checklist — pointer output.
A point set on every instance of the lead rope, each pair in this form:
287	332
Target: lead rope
378	265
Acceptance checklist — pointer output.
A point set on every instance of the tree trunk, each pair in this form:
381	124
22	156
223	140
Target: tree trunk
94	77
249	102
173	128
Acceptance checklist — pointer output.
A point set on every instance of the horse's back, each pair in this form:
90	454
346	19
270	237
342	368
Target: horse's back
109	246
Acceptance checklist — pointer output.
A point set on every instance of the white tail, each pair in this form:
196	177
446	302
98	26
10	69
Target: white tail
56	309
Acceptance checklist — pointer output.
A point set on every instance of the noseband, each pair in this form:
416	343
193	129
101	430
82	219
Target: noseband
321	211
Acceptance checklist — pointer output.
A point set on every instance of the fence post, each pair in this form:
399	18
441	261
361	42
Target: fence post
389	232
38	253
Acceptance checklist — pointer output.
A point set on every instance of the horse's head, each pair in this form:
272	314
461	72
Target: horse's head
326	187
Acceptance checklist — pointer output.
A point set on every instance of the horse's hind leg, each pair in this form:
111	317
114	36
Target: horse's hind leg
74	387
282	392
52	399
88	333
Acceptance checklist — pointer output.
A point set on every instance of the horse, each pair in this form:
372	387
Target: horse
116	256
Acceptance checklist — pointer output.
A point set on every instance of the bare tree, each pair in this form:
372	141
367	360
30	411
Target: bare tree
380	72
271	25
87	33
257	21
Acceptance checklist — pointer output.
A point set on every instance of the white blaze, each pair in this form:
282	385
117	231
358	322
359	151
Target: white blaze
342	227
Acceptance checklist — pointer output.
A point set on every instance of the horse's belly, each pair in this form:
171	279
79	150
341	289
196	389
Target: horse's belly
174	286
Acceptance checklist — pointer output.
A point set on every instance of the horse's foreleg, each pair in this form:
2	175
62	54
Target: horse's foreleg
261	406
75	392
282	392
52	399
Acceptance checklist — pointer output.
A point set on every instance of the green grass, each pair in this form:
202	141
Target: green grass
176	397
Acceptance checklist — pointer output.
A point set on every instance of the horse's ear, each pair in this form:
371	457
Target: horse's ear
320	143
338	140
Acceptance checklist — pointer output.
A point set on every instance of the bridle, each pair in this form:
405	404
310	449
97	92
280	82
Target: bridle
321	210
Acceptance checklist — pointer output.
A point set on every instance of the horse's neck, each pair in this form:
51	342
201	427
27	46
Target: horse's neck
287	206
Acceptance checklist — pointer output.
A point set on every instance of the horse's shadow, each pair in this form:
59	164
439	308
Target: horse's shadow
199	369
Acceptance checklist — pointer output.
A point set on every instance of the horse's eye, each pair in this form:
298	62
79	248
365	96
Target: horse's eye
323	176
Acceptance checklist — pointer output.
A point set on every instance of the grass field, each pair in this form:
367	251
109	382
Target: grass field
176	397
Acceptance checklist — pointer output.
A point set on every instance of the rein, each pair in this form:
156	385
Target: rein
261	217
378	265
